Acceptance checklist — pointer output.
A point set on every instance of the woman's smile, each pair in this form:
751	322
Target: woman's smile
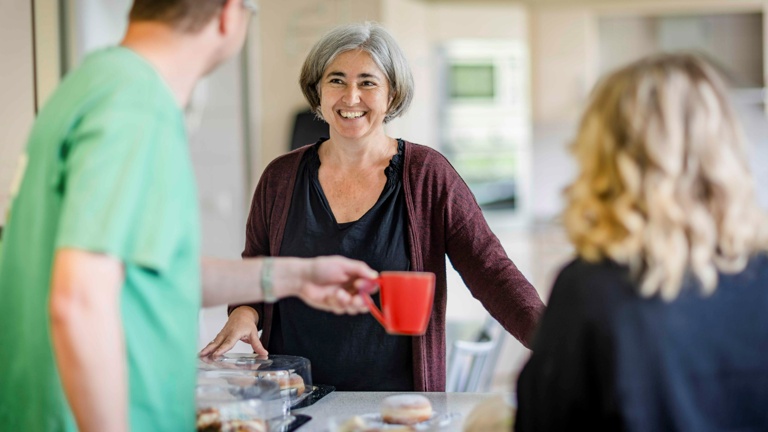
351	114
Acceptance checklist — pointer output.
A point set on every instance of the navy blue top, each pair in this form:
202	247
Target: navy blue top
352	353
605	359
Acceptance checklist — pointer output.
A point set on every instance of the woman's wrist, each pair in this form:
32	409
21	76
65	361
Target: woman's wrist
245	312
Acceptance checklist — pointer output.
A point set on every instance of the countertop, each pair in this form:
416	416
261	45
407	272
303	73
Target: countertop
347	404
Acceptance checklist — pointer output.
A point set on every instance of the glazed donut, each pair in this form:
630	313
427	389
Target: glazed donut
405	409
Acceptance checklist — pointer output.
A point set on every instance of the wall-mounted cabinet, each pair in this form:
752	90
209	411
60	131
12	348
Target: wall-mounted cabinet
572	46
733	42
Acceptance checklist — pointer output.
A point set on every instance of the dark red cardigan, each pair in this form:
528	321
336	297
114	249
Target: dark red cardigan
443	218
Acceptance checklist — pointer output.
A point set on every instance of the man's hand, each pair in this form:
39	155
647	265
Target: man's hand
334	283
328	283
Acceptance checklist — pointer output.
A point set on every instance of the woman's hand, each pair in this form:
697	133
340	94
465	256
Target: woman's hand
241	326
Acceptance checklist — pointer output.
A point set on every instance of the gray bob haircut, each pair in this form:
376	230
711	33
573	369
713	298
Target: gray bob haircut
379	44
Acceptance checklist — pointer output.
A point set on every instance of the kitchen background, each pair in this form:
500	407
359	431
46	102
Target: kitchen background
499	87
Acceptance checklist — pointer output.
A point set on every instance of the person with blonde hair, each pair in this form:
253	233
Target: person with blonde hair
660	322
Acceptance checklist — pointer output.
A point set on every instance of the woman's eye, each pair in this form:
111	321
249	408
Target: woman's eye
368	84
335	81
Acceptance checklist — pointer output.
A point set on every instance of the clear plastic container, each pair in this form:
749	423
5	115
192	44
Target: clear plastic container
231	407
292	373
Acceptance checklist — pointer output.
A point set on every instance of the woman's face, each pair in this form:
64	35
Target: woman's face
354	95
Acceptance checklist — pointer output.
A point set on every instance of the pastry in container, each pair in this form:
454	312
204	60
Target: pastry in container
291	373
229	408
269	392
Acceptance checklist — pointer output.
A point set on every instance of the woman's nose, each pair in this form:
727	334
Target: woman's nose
351	95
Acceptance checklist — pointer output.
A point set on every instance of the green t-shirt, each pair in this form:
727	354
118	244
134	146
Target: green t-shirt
108	171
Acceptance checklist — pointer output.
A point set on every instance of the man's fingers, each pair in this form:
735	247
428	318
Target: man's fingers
362	270
331	304
358	304
366	286
343	297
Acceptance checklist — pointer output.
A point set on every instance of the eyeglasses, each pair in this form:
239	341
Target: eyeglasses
251	6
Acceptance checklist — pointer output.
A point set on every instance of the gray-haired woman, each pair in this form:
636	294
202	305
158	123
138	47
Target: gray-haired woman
393	204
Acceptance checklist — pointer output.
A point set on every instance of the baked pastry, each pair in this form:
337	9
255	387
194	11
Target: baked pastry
295	381
405	409
287	380
244	426
208	420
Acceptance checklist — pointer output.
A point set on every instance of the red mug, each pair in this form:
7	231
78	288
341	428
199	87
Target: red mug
406	301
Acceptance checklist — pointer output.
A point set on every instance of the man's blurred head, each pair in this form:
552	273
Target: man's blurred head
218	27
183	15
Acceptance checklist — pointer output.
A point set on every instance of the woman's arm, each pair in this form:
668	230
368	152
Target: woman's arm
477	254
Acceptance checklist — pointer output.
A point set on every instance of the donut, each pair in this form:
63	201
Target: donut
406	409
287	380
295	381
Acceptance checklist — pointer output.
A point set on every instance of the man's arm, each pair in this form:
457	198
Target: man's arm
88	338
327	283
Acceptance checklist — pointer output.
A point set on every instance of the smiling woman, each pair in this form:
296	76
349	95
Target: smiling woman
354	95
391	203
382	50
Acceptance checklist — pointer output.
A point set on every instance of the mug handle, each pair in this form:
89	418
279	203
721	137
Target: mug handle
372	306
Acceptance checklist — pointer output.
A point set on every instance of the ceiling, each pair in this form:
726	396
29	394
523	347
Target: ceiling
598	2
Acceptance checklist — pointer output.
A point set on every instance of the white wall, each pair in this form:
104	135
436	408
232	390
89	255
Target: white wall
407	21
95	24
17	91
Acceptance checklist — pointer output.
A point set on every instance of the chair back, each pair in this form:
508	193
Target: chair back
471	363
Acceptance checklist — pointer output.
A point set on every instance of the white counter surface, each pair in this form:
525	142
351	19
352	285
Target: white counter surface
348	404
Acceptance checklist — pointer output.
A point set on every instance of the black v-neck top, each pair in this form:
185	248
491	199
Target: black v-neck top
352	353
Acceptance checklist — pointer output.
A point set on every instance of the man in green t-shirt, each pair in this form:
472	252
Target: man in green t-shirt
100	273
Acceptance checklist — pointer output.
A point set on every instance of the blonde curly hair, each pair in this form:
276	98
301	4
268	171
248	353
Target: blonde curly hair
664	184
